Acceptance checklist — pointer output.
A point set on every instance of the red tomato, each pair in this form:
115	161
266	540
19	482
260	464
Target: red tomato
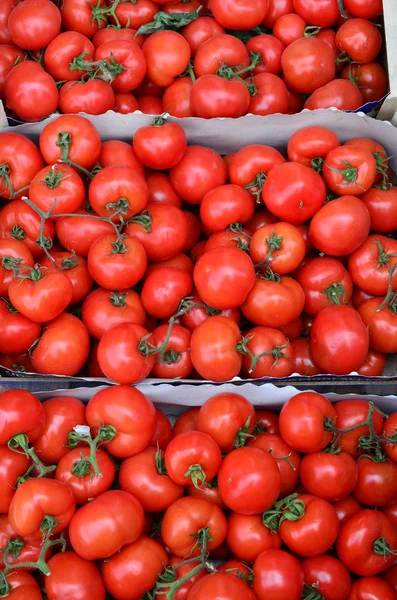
176	363
134	421
239	15
77	16
346	508
93	97
167	55
363	543
322	14
199	31
369	265
289	28
21	413
374	364
228	419
311	143
267	353
20	161
116	262
13	466
367	9
213	349
359	39
220	585
75	268
176	99
163	434
125	103
226	205
192	457
188	421
371	587
17	332
329	476
327	576
249	495
23	586
80	231
308	63
6	8
183	590
200	170
103	526
212	97
180	261
19	221
278	574
247	536
377	482
349	170
62	51
135	15
220	49
71	574
161	190
33	24
270	95
127	54
302	360
349	414
279	246
160	145
118	191
288	460
339	340
371	79
13	253
30	92
163	291
302	422
382	207
285	187
150	105
57	190
340	226
273	303
380	321
339	93
277	8
111	33
249	168
102	310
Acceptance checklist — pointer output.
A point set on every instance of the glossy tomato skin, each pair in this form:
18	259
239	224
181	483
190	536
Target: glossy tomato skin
212	96
372	587
349	414
246	495
125	103
34	24
102	527
140	477
289	28
359	39
20	221
364	8
248	163
199	31
311	142
61	52
270	49
77	16
247	536
262	340
176	99
30	92
329	476
239	15
163	290
184	518
135	15
382	207
103	309
130	56
23	160
71	574
21	413
23	586
160	146
135	420
199	171
75	268
339	340
6	8
17	251
57	189
340	226
308	63
285	187
188	450
61	416
188	421
278	575
363	265
371	79
271	95
356	538
302	361
284	259
134	570
328	576
224	585
321	14
213	349
226	205
377	482
302	422
339	93
167	55
163	434
346	508
177	363
289	471
161	190
114	183
220	269
115	265
374	364
378	321
13	465
17	332
338	164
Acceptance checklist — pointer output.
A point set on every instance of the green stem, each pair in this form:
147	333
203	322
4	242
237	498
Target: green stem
21	441
106	433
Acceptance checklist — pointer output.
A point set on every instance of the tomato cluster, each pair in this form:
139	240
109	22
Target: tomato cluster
109	497
189	58
166	259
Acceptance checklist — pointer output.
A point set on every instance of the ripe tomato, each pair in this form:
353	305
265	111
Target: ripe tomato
176	363
167	55
80	231
77	16
179	261
93	97
212	96
377	482
17	332
101	527
199	171
6	8
346	508
240	490
163	291
308	63
247	536
162	230
249	168
163	434
288	460
367	9
226	205
38	498
270	49
389	429
273	303
23	586
338	93
125	103
116	262
372	587
61	52
192	457
185	518
382	208
220	50
161	190
213	349
57	190
322	14
278	574
134	420
160	145
150	105
199	31
188	421
302	422
288	28
239	15
371	79
220	585
349	170
183	590
311	143
21	413
34	24
30	92
20	160
285	187
302	360
61	416
19	221
349	414
144	476
71	574
13	466
102	310
75	268
72	137
43	296
379	323
135	15
127	54
267	353
270	95
118	191
360	540
368	265
329	476
278	246
327	576
176	99
359	39
134	570
374	364
28	551
339	340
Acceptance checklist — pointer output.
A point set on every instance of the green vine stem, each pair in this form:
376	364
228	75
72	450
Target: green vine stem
20	443
82	433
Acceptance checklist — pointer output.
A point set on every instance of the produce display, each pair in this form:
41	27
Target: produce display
230	502
223	58
160	259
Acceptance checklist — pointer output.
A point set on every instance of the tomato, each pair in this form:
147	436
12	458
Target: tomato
93	97
340	226
359	39
199	31
61	416
329	476
249	495
13	253
30	92
321	14
270	95
160	145
176	363
72	137
371	79
220	50
288	460
192	457
243	15
270	49
220	585
346	508
127	54
371	587
163	291
368	265
161	190
182	592
228	419
135	15
226	205
179	261
377	482
274	303
80	231
125	103
249	168
212	96
111	33
21	413
163	434
34	24
311	143
278	575
20	160
17	332
308	63
349	170
72	575
150	105
340	94
17	552
382	208
167	55
61	52
327	576
389	429
162	230
279	246
339	340
248	537
277	8
31	297
57	190
75	268
101	527
102	310
38	498
186	517
379	321
188	421
302	360
135	420
288	28
6	8
359	541
19	221
118	191
176	99
13	466
374	364
23	586
352	413
367	9
285	187
77	16
144	477
267	353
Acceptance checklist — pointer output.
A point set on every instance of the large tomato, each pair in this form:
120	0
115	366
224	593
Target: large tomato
61	52
93	97
220	50
270	95
278	574
31	93
279	246
381	323
270	49
339	93
349	170
371	263
382	207
160	145
371	79
21	222
57	189
118	192
377	482
79	232
250	166
167	55
311	143
20	160
77	16
127	54
23	586
267	353
359	39
241	14
329	476
75	268
308	63
163	291
327	576
103	309
33	24
351	414
323	13
212	96
247	536
371	587
17	332
116	262
72	575
220	585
